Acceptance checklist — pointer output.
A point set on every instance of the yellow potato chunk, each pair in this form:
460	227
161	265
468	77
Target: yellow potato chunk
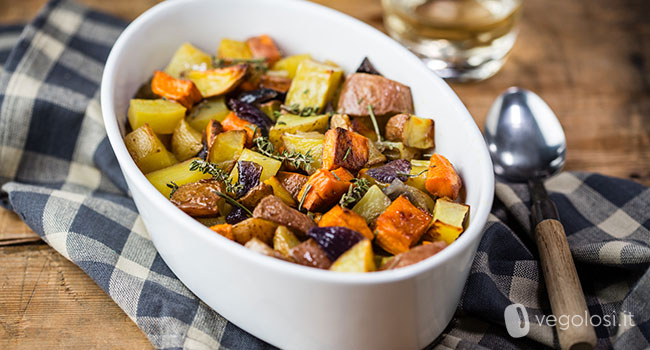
227	146
186	142
188	57
161	115
233	49
213	108
290	64
269	165
306	142
291	123
281	192
419	168
179	173
284	240
448	220
314	85
147	151
359	258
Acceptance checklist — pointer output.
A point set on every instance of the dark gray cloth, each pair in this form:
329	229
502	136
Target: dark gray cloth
60	175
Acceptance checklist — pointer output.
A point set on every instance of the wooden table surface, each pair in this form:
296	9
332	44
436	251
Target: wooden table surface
590	59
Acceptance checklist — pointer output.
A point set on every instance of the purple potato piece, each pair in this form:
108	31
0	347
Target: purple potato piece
367	67
249	176
390	171
236	215
260	96
335	240
251	113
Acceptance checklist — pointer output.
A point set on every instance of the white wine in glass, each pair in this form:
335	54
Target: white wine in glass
462	40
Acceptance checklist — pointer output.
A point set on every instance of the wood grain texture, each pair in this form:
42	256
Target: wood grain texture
590	59
563	286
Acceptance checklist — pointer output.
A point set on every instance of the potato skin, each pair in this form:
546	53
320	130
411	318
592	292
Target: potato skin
292	182
343	148
198	198
414	255
395	127
384	95
309	253
251	228
273	209
255	195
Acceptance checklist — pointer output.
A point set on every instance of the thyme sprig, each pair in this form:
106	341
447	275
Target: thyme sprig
294	158
216	172
412	175
355	192
304	195
173	186
294	108
232	201
255	63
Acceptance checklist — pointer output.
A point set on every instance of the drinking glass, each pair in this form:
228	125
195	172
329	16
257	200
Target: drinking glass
461	40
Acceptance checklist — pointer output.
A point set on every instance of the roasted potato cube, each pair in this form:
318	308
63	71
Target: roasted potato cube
442	179
218	81
359	258
269	165
186	58
181	91
255	195
227	146
186	142
414	255
270	108
258	246
314	85
413	131
199	198
372	204
147	151
384	95
180	174
213	129
224	230
233	49
291	123
284	240
263	47
275	82
161	115
397	150
338	216
309	253
293	182
306	143
281	192
211	109
324	188
274	209
401	226
345	149
449	219
290	64
340	121
250	228
418	174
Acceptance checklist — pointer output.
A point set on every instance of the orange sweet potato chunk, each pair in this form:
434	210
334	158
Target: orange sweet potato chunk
401	226
338	216
181	91
233	122
344	148
323	189
224	230
442	180
263	47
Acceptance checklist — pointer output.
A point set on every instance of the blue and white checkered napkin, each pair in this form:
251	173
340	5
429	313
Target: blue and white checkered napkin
59	174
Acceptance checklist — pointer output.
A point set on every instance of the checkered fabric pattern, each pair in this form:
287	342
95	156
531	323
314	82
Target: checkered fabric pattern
60	175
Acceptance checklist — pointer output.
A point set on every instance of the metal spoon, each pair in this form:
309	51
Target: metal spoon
527	144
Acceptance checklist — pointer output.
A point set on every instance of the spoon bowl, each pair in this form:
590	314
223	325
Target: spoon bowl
524	137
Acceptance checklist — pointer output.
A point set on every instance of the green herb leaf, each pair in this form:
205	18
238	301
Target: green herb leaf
355	192
232	201
304	195
173	186
374	122
412	175
347	153
216	172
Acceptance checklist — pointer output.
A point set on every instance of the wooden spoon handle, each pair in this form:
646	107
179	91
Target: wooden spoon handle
563	286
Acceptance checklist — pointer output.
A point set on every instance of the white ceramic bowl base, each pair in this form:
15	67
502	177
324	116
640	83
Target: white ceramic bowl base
288	305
